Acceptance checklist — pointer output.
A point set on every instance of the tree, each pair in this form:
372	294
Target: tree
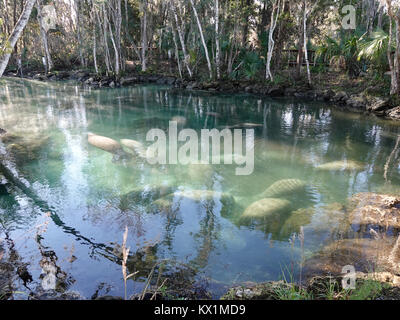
274	18
202	37
16	33
43	34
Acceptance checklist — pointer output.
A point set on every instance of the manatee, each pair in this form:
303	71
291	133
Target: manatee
179	120
245	125
207	196
265	208
199	195
137	147
342	165
104	143
220	159
200	172
284	187
213	114
163	204
300	217
132	145
145	196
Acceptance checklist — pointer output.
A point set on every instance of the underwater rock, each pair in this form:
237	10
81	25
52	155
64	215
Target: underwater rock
258	291
24	147
6	275
265	208
342	165
283	188
381	254
55	295
372	209
104	143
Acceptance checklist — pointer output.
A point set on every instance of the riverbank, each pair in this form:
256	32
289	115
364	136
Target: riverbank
357	95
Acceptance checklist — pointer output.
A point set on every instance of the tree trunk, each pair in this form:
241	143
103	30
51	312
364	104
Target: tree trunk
116	53
271	42
16	33
394	86
78	33
202	38
105	44
300	46
144	35
217	45
176	51
305	43
182	40
43	34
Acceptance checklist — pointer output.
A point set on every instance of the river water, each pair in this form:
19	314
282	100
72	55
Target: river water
87	190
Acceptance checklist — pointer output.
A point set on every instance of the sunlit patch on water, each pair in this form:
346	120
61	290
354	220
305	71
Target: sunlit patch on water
309	159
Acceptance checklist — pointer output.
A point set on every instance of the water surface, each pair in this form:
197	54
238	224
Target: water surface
86	187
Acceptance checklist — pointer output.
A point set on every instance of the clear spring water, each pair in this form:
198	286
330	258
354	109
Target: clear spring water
84	186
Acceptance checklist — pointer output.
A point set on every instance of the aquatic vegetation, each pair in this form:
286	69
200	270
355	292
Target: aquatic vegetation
24	148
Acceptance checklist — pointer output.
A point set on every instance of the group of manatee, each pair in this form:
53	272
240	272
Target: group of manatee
270	207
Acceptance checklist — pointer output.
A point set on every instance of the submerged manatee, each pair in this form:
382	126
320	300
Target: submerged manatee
145	196
284	187
205	197
104	143
179	120
199	195
201	172
134	145
265	208
300	217
162	205
342	165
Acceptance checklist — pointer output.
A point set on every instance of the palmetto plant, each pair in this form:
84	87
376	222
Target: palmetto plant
345	47
374	49
252	64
